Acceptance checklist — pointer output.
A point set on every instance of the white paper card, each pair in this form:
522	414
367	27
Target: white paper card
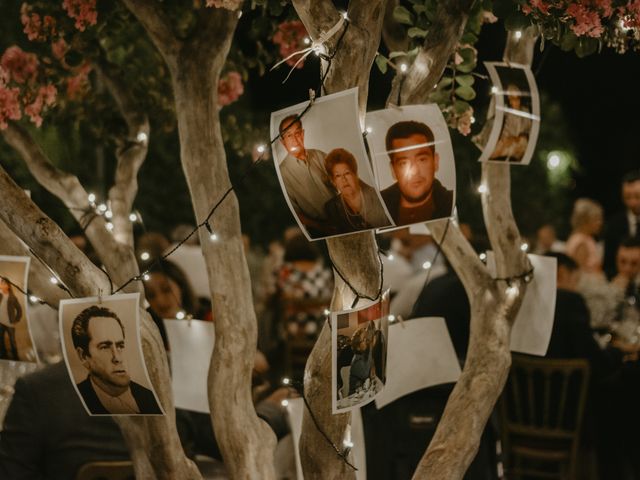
532	328
191	344
420	355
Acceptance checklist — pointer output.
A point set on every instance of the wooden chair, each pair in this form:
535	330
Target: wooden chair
541	412
107	470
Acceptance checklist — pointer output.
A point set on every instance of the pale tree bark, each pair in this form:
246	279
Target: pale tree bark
153	441
356	256
246	442
493	310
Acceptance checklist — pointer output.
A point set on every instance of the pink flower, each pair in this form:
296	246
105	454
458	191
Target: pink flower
586	22
78	84
630	14
59	48
464	122
290	38
9	101
22	66
45	97
229	88
36	27
82	11
228	4
541	6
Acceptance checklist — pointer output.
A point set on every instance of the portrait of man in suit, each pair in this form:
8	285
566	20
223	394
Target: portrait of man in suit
99	339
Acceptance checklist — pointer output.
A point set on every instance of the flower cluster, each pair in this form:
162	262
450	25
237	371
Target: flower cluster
37	28
600	19
19	88
228	4
82	11
290	38
229	88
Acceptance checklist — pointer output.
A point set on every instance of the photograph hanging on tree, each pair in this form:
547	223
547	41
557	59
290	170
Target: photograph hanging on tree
414	163
16	341
359	339
514	115
323	168
102	350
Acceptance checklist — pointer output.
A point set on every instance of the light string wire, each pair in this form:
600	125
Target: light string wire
342	453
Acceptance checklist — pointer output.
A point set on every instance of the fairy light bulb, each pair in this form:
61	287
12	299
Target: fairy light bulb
426	265
524	247
483	256
403	67
54	280
482	188
286	381
133	217
261	148
108	214
146	277
91	197
34	299
180	315
145	256
109	226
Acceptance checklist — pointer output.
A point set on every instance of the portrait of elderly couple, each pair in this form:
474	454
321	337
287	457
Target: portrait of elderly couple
326	176
359	352
102	350
16	342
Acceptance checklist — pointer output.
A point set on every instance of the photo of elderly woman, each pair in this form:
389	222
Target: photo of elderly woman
15	336
359	354
356	206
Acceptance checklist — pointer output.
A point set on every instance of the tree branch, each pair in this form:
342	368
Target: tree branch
118	258
393	33
131	154
158	26
440	42
317	15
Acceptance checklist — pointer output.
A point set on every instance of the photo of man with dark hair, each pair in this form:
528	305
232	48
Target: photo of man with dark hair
417	196
99	340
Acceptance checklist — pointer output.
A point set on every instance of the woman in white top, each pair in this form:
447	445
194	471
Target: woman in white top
10	314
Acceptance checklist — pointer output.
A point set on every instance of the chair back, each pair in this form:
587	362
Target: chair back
541	412
107	470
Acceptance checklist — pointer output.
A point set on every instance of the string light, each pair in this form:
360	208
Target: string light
133	217
327	312
180	315
494	89
213	237
391	318
518	34
142	137
426	265
34	299
109	226
368	129
390	256
473	119
306	41
483	256
284	402
108	214
286	381
145	256
261	148
344	15
524	247
54	280
482	188
102	208
91	197
347	443
146	277
511	290
403	67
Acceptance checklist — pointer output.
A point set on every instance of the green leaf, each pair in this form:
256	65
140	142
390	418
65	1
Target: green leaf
414	32
445	82
465	93
465	80
393	55
469	37
381	62
517	21
569	42
460	106
402	15
586	46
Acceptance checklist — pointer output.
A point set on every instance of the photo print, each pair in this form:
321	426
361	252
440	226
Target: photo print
513	121
102	350
323	168
359	340
413	161
16	341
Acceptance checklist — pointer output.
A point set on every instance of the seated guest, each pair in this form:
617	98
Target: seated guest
47	433
586	223
356	206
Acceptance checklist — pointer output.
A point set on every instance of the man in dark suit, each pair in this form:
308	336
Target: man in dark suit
417	196
623	224
99	339
47	434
